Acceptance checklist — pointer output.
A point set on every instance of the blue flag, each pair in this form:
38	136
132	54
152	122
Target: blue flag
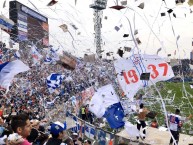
54	81
114	115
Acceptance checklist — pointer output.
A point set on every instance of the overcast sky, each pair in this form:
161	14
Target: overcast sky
154	31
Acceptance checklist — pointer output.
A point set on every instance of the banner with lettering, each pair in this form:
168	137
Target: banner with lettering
90	131
129	72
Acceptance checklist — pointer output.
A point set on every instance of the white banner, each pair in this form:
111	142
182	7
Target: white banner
130	70
102	99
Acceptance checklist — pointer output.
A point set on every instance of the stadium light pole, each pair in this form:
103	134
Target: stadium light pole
98	6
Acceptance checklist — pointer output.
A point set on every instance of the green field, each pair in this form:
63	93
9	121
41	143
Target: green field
183	100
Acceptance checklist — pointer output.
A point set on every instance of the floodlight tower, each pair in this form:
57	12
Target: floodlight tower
98	6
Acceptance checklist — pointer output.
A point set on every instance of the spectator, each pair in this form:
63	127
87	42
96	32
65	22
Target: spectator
83	113
22	126
87	142
141	119
34	132
154	123
57	131
69	141
174	120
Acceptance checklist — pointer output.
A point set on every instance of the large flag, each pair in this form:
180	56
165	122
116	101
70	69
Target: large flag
130	70
54	81
114	115
8	70
102	99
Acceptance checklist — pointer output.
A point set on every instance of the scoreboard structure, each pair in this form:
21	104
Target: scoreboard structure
30	26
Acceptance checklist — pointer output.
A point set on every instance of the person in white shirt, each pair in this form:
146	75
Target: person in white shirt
174	120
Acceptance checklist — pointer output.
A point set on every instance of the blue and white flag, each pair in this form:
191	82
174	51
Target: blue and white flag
17	55
54	81
114	115
52	50
8	70
52	102
48	60
102	99
54	55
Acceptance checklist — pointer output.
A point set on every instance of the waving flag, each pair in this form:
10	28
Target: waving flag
102	99
54	81
114	115
130	70
52	56
17	55
8	70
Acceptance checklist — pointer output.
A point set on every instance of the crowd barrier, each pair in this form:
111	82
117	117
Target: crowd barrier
97	134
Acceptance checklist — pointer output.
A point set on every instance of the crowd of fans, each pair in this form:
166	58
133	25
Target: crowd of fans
23	109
